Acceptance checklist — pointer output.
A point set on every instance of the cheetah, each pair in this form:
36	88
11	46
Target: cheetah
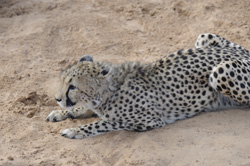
139	97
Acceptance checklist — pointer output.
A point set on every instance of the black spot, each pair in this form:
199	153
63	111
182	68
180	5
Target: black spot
221	70
184	57
190	52
210	36
232	74
223	86
203	102
194	55
94	103
244	71
197	111
239	77
219	88
235	92
223	79
231	83
187	73
171	55
242	85
234	65
215	75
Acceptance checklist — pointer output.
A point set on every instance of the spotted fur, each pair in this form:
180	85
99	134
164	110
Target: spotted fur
134	96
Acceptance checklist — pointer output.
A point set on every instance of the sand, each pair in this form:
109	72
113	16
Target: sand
39	38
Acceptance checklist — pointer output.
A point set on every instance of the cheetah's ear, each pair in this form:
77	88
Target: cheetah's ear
105	72
86	57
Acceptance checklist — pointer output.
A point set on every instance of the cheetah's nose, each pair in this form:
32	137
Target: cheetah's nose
58	99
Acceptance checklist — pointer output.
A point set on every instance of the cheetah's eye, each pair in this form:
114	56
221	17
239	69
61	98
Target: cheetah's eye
72	87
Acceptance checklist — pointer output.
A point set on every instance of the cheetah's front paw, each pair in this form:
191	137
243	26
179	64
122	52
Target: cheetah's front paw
72	133
56	116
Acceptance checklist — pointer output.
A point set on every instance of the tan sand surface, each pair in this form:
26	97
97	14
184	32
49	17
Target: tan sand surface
39	38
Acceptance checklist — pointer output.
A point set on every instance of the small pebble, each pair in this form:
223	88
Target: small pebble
10	158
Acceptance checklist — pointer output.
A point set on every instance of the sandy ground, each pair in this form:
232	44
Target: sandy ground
40	38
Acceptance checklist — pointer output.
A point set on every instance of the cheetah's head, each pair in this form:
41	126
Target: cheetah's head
85	83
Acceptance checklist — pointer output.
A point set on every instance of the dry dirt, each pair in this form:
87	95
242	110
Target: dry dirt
39	38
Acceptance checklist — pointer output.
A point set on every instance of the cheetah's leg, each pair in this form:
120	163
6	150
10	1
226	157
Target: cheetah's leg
211	40
232	80
151	124
102	126
92	129
59	115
